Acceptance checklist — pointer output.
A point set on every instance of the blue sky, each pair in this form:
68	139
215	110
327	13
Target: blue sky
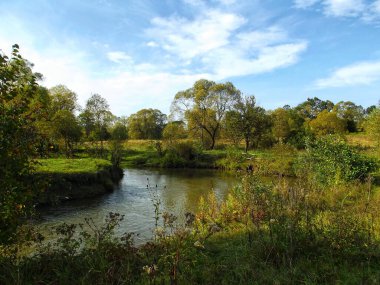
139	54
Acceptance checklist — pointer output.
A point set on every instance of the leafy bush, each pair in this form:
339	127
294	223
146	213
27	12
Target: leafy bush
179	154
330	160
233	160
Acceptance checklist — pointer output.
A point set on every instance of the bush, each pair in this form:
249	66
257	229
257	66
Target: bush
234	159
331	160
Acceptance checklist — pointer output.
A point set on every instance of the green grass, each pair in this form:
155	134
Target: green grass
64	165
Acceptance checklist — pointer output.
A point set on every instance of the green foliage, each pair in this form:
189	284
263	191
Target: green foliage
179	154
62	99
119	131
372	125
174	131
234	159
146	124
330	161
328	123
116	149
96	118
18	136
248	122
280	124
351	113
66	126
313	106
204	106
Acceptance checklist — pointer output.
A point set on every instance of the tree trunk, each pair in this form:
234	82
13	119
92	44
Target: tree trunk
246	145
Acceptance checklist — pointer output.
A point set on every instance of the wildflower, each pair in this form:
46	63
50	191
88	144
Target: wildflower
272	221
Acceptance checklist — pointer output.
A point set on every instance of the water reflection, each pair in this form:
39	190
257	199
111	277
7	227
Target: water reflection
178	190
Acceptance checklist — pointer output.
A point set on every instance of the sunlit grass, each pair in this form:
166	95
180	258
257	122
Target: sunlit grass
64	165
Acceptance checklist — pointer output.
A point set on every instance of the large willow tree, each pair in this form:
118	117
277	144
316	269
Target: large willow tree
204	106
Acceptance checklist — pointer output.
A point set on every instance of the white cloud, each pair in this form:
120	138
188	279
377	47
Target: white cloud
119	57
214	41
344	8
152	44
268	59
188	39
361	73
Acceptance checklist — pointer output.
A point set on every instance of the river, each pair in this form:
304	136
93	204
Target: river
178	190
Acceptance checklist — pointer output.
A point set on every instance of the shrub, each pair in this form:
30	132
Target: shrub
330	160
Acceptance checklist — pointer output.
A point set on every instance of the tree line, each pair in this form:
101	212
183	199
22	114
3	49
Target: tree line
207	111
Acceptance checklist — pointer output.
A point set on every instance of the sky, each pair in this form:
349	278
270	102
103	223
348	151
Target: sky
140	53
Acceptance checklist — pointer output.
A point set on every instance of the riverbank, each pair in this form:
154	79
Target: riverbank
71	179
261	234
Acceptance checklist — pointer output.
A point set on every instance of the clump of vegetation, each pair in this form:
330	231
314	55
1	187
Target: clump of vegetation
331	160
80	165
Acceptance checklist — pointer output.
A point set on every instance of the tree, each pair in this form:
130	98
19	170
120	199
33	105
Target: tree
313	106
352	113
328	123
119	131
204	106
42	120
66	127
247	121
63	98
280	124
146	124
174	130
18	88
98	117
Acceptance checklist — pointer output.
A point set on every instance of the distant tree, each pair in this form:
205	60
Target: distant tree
372	125
63	98
370	109
146	124
174	130
204	106
352	113
119	131
97	117
247	121
280	124
18	136
328	123
87	121
67	128
313	106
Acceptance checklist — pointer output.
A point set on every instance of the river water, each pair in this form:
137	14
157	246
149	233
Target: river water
178	191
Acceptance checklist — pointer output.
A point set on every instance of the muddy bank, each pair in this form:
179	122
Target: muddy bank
71	186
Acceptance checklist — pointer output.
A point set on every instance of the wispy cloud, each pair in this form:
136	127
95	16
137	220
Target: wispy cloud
361	73
365	10
221	45
118	57
304	3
